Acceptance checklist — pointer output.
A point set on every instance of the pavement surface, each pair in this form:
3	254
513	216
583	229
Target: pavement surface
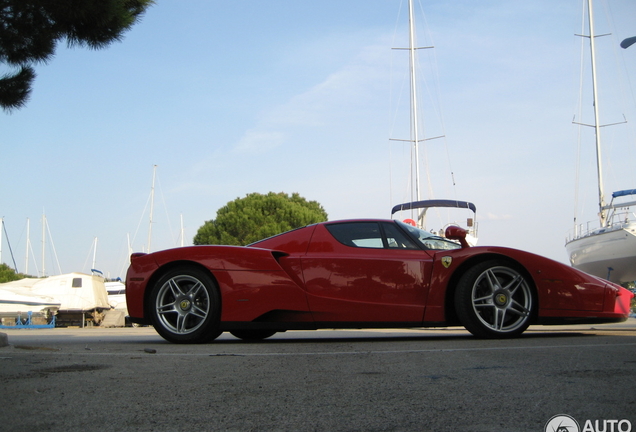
120	379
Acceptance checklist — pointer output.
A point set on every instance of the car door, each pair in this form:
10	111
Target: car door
366	271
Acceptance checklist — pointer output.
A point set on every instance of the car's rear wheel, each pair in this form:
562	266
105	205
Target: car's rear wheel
185	306
494	300
252	335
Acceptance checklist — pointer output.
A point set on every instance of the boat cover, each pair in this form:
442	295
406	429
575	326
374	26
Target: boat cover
76	292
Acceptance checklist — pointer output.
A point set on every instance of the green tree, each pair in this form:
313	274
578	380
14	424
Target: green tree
632	287
30	30
255	217
7	274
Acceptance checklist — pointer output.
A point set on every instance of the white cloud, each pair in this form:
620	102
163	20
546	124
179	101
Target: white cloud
259	141
337	95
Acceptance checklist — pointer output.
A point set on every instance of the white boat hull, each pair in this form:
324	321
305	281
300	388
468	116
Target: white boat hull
13	304
116	294
609	254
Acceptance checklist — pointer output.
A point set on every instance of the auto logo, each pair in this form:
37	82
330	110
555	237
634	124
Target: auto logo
446	261
562	423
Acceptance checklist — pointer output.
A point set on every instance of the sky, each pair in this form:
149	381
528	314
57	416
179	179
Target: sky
216	99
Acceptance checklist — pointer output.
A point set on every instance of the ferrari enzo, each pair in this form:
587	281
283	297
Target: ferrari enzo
360	274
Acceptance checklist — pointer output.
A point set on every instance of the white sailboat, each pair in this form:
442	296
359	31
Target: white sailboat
418	208
607	250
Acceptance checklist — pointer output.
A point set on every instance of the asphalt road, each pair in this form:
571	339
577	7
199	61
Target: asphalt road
400	380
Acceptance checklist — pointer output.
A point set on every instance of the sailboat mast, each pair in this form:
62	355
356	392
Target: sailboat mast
597	123
43	244
28	245
182	232
152	204
414	116
94	254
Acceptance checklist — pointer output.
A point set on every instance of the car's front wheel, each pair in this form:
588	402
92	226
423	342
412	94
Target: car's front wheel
494	300
185	306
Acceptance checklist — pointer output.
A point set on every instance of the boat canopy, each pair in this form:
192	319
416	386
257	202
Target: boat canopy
434	203
624	204
624	193
626	43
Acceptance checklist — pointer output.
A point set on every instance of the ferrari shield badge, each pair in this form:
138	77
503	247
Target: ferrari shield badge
446	261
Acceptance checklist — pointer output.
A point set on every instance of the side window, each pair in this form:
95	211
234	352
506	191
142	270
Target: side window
396	239
77	283
357	234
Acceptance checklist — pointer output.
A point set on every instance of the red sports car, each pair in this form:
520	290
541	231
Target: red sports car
360	274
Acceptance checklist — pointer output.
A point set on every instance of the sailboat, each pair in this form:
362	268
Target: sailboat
608	250
418	209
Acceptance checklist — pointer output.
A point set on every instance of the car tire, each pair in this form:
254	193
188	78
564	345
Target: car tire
185	306
253	335
495	299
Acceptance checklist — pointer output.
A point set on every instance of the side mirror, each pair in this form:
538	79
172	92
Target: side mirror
454	232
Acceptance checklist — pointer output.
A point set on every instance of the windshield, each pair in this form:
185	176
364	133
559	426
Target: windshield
427	239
